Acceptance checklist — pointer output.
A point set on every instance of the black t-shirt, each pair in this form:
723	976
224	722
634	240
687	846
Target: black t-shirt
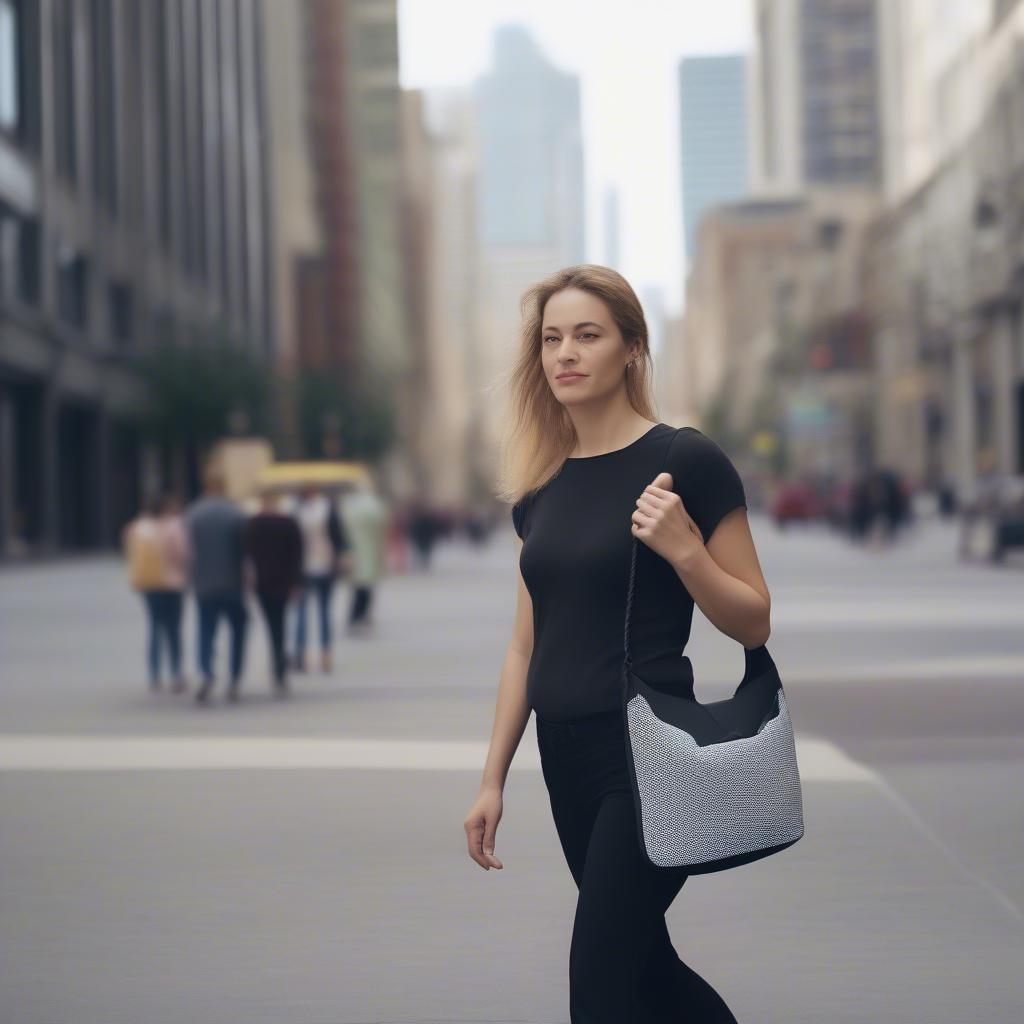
577	540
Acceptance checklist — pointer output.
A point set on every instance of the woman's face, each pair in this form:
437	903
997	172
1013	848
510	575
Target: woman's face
580	338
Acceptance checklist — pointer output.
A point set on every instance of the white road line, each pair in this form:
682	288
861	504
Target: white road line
965	667
819	760
893	615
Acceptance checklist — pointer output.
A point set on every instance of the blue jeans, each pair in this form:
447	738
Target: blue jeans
623	968
163	612
322	586
230	605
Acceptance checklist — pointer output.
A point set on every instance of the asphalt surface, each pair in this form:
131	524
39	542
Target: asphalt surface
303	861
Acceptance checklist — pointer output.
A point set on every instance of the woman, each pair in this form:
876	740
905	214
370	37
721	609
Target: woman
323	543
158	553
584	459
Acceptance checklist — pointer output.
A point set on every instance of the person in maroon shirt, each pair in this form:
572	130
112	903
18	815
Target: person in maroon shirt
273	546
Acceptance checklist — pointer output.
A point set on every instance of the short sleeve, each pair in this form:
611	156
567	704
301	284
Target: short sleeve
706	480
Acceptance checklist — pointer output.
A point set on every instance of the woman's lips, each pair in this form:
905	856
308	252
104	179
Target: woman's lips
572	377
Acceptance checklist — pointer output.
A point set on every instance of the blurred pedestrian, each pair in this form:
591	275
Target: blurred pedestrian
157	550
366	522
895	507
878	529
424	526
861	511
215	528
323	542
273	545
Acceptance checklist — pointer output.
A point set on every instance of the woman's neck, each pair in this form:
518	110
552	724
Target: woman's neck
603	435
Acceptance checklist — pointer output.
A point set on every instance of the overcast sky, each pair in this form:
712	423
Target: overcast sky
626	55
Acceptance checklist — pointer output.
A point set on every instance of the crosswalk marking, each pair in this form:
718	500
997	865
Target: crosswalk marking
889	614
955	667
819	760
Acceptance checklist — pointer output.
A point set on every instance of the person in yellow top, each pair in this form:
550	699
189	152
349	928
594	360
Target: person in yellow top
157	550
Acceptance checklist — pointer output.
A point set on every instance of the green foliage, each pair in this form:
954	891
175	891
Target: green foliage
339	420
201	392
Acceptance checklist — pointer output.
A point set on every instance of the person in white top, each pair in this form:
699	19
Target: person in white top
323	543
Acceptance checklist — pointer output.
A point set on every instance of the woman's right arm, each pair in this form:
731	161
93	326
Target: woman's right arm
511	714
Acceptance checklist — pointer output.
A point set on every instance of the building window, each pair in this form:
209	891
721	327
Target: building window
104	106
73	288
10	68
19	258
122	313
64	121
163	327
161	73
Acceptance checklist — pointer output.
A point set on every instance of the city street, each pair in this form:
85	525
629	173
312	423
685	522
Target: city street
303	861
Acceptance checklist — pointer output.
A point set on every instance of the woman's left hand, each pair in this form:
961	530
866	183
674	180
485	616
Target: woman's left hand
662	522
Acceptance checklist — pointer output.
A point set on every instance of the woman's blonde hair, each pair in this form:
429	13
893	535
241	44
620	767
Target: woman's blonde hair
539	433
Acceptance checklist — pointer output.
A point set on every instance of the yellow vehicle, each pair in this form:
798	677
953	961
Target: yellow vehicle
334	478
250	470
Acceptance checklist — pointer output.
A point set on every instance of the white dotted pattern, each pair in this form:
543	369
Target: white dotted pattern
702	804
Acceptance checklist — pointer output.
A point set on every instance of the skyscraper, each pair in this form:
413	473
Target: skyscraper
713	134
531	151
612	227
817	111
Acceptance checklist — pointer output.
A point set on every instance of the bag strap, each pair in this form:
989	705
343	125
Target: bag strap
627	661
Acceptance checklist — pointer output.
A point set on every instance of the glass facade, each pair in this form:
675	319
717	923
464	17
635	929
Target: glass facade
839	90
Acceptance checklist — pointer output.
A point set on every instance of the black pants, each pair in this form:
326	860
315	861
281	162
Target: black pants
622	965
362	597
273	607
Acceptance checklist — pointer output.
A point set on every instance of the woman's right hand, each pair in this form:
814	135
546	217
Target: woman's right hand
481	824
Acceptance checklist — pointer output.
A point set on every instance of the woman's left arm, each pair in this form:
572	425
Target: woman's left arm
723	576
725	580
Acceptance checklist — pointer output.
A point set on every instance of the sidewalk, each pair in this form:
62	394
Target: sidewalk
304	861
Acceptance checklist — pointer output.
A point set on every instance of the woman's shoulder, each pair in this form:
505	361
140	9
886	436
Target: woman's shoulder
695	455
704	476
690	446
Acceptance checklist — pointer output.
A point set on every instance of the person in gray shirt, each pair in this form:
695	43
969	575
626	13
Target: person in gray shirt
216	526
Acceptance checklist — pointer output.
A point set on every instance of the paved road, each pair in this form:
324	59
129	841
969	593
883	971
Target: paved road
303	862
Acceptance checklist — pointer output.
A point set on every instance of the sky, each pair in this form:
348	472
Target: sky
628	70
